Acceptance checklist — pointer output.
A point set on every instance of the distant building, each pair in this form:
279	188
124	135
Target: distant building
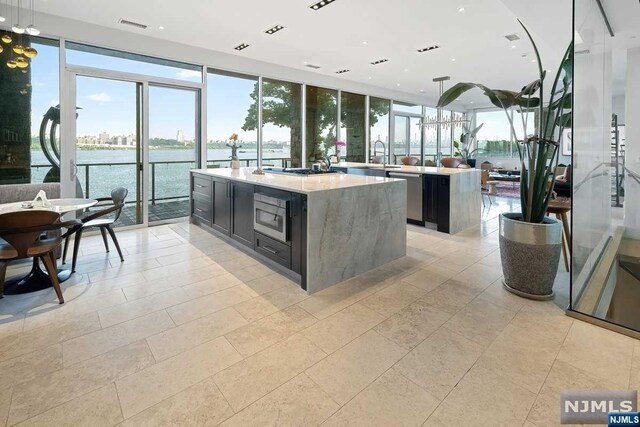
104	138
180	136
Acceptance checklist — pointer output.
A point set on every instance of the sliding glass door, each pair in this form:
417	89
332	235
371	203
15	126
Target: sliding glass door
108	148
173	150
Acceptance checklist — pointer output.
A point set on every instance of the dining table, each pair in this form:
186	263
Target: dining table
37	279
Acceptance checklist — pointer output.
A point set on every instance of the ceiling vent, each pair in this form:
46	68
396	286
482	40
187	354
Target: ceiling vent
426	49
241	46
379	61
132	24
315	67
512	37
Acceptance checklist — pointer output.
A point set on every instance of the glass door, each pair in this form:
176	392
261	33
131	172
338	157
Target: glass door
108	148
400	139
173	149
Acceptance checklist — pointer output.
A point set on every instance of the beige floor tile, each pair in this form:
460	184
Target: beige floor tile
96	409
254	377
479	274
145	289
331	300
349	370
5	403
107	339
23	343
255	308
140	307
392	299
546	409
523	358
299	402
267	283
544	319
265	332
123	269
498	295
286	296
426	279
161	273
484	398
341	328
440	361
209	286
255	272
199	405
152	385
390	400
480	321
188	335
45	392
588	347
413	324
31	365
451	296
200	307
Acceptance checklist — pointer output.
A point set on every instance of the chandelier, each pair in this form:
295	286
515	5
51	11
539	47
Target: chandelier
455	120
24	53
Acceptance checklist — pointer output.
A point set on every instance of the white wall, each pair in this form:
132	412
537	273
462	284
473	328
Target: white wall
632	188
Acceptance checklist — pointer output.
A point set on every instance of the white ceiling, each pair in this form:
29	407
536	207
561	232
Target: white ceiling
333	36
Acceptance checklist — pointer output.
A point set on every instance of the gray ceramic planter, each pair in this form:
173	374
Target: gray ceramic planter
530	254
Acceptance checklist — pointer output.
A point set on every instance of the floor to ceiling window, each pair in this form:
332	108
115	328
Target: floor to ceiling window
321	123
353	131
232	101
281	123
29	112
494	139
379	110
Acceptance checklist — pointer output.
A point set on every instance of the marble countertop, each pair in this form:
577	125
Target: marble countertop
423	170
294	183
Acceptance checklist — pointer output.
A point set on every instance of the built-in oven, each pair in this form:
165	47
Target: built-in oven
271	216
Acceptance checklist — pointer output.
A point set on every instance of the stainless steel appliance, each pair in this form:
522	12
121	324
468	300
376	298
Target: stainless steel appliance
414	194
271	216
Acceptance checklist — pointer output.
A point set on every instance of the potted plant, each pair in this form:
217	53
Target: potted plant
530	242
467	141
233	144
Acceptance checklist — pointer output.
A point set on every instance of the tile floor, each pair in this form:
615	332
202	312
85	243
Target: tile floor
190	331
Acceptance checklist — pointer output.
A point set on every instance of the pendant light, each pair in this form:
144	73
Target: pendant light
21	62
31	29
16	28
30	52
11	63
6	38
18	49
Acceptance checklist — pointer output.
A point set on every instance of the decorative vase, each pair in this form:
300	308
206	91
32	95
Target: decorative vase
338	160
530	254
235	164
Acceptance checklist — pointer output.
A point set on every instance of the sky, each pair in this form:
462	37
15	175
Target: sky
110	106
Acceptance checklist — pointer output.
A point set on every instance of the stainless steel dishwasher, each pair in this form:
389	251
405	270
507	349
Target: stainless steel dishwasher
414	194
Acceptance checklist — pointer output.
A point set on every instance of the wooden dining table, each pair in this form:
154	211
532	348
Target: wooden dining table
37	279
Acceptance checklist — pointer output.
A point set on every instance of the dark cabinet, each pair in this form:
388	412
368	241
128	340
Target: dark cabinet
242	213
222	205
430	198
443	203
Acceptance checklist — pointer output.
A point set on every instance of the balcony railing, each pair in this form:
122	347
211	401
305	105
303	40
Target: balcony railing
165	184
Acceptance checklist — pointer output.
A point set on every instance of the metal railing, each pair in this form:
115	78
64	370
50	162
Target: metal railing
87	167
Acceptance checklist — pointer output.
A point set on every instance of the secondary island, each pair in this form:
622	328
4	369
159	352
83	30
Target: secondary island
322	229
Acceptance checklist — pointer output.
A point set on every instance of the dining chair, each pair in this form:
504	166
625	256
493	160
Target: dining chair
22	233
484	189
101	221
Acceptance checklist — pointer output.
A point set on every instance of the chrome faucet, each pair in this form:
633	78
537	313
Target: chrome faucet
384	152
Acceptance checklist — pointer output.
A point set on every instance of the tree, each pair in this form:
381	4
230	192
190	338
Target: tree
282	107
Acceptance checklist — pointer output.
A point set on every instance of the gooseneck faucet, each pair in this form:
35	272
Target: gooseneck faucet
384	152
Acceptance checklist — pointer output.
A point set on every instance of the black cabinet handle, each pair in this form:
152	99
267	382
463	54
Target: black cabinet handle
270	249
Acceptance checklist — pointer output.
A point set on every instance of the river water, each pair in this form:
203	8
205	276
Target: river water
108	169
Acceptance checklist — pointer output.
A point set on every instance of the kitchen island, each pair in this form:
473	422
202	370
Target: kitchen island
449	198
322	229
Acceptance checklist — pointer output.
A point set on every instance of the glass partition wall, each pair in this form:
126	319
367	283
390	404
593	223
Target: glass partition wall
605	176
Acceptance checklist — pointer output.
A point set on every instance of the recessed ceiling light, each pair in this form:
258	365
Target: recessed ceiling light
398	84
319	5
533	60
461	9
406	69
364	42
513	46
369	78
422	91
425	49
379	61
161	27
471	102
453	59
241	46
342	71
274	29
